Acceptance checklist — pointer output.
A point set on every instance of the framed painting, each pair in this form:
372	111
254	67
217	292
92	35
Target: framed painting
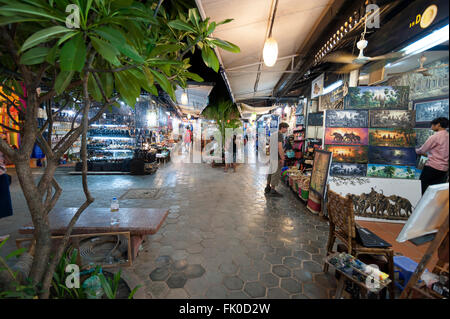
334	99
346	136
348	154
319	175
345	169
429	109
392	155
401	137
392	118
356	118
377	97
315	119
300	120
392	171
422	134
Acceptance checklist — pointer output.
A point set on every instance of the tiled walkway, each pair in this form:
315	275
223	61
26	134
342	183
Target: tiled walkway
222	239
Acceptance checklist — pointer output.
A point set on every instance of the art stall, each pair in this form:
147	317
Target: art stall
373	141
6	120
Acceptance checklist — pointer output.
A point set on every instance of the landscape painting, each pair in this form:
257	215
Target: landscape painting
348	154
429	110
346	136
401	137
358	118
392	155
377	97
393	171
315	119
319	173
422	134
392	118
332	100
344	169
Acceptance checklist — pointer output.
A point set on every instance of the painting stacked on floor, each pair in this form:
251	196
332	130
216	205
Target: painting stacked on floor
374	135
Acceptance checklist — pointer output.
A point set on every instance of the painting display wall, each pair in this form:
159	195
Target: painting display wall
422	134
374	135
377	97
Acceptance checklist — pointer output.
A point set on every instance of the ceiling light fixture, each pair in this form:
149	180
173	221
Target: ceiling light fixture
184	98
270	51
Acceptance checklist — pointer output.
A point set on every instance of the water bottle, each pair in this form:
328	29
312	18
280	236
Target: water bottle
114	208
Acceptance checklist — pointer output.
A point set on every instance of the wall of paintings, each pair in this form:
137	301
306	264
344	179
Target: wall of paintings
374	135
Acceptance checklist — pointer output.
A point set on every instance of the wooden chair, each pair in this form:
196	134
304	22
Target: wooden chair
343	226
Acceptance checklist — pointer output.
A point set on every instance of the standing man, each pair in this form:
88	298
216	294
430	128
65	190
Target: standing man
436	148
274	179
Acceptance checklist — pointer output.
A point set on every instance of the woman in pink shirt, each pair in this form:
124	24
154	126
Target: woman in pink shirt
435	170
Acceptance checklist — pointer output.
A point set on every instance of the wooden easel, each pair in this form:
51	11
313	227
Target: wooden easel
440	245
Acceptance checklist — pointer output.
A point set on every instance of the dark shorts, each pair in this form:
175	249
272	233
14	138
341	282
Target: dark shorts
5	197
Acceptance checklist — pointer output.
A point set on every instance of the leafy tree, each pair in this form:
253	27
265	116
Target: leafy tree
119	49
389	171
225	114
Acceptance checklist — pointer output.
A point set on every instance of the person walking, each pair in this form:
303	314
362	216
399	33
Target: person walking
187	139
5	196
230	150
435	148
274	179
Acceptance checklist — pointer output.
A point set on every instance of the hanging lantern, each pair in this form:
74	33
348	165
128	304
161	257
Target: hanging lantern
270	52
184	98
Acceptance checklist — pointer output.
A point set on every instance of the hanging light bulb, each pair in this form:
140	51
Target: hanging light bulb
184	98
270	52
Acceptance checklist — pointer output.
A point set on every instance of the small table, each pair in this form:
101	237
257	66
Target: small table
344	276
139	222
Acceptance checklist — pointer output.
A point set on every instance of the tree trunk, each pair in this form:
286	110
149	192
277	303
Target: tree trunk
39	218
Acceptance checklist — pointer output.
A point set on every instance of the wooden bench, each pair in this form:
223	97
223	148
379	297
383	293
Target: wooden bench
139	222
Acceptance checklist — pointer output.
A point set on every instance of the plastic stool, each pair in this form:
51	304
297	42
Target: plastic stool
405	267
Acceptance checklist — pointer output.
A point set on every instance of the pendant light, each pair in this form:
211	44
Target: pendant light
184	98
270	51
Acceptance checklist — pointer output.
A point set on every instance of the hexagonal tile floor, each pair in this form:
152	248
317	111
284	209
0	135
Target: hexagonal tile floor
223	238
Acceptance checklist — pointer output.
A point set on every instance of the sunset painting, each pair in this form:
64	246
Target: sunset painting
348	154
346	136
392	137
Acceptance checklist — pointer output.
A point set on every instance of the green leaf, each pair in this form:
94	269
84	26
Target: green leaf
63	80
43	36
210	59
225	21
108	83
133	292
18	8
211	28
106	286
106	50
34	56
17	19
66	37
112	35
148	75
93	89
3	242
195	77
180	25
73	54
226	45
164	49
130	52
16	253
127	87
164	83
51	56
193	16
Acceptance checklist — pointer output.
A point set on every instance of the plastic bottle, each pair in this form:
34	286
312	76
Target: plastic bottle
114	209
